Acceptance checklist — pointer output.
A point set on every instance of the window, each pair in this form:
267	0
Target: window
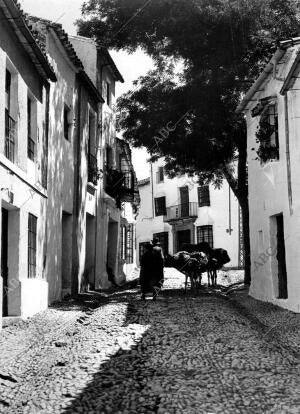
203	196
160	206
267	133
32	230
273	122
92	133
10	124
122	242
107	93
7	90
109	157
160	175
163	240
92	159
66	122
127	238
30	140
129	243
205	234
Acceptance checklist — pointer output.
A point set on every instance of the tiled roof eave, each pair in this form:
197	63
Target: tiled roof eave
16	19
83	77
109	61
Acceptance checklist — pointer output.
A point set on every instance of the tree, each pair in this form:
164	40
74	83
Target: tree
189	117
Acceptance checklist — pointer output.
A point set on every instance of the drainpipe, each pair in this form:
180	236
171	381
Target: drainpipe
229	230
288	158
152	191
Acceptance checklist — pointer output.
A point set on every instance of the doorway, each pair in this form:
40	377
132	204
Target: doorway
112	250
4	259
66	252
280	255
183	237
90	252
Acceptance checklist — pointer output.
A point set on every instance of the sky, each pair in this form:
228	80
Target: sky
66	12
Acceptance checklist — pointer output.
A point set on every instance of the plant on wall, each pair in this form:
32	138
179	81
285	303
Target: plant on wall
267	151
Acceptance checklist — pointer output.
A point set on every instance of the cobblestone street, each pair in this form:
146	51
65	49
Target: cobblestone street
116	354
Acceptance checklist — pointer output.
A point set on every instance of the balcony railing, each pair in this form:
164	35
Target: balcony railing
128	181
186	210
120	185
93	172
10	136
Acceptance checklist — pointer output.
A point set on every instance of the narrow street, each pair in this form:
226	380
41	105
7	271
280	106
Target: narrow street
116	354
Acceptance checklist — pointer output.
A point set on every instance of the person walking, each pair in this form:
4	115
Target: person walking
157	265
152	269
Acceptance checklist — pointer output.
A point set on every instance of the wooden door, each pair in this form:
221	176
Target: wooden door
282	274
4	259
184	201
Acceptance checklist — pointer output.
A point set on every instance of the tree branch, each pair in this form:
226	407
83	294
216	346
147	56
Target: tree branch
232	181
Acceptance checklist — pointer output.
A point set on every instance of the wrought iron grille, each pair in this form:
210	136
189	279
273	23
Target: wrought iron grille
92	169
184	210
205	234
10	137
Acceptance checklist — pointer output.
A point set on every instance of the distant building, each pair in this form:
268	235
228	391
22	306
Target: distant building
179	211
272	109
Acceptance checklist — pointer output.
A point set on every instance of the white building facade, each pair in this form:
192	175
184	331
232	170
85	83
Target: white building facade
179	211
272	110
25	76
67	190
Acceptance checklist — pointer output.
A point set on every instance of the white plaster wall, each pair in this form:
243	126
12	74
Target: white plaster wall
268	196
216	215
34	296
60	163
21	181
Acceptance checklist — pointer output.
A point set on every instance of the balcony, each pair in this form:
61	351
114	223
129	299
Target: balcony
10	137
181	211
120	185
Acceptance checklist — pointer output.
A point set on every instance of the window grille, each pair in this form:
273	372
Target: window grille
32	232
203	196
273	121
123	242
10	123
205	234
129	244
66	122
160	175
30	141
160	206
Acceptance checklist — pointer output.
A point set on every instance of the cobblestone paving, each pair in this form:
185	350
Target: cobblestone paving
117	354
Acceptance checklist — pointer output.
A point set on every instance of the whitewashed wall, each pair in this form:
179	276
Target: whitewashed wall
268	197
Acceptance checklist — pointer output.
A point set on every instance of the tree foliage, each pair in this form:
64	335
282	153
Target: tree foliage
221	44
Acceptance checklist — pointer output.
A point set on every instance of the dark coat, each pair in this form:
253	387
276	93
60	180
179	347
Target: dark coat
152	269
